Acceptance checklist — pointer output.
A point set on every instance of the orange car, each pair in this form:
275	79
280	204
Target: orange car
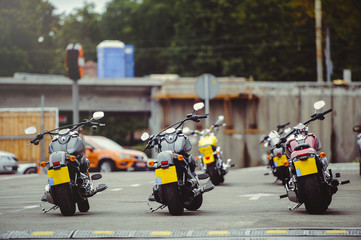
105	155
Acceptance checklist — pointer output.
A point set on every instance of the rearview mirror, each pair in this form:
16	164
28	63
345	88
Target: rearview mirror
145	136
357	128
98	115
198	106
30	130
220	119
318	105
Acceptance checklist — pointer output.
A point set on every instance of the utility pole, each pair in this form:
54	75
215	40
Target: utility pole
318	23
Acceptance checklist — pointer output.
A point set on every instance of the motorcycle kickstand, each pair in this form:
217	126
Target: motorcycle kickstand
52	208
153	210
295	207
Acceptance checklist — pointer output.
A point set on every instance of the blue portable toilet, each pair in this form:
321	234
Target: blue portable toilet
129	60
111	60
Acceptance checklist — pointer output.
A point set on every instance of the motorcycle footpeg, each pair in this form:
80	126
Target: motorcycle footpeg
101	187
96	176
203	176
208	187
283	196
345	182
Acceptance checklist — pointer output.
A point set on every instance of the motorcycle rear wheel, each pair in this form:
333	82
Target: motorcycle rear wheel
314	194
214	175
172	198
63	197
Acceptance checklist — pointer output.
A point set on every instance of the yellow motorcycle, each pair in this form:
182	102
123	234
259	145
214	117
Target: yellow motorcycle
210	154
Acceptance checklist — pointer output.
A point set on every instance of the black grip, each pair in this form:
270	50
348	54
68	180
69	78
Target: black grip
283	125
327	111
201	116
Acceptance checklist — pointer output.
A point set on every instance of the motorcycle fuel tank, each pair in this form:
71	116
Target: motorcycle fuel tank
70	144
176	143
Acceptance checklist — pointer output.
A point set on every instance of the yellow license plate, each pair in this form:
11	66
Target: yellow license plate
278	161
58	176
305	167
166	175
207	154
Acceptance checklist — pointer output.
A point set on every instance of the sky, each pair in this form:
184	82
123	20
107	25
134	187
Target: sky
68	5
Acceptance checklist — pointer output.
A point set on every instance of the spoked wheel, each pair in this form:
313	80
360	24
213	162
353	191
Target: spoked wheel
172	199
62	194
314	194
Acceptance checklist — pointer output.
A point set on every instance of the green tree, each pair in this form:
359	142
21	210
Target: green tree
82	26
25	40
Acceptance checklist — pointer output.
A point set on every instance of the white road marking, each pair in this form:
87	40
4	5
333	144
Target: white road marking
256	196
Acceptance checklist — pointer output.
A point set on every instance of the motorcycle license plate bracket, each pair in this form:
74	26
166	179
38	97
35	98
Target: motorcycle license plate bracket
58	176
207	152
278	161
305	167
166	175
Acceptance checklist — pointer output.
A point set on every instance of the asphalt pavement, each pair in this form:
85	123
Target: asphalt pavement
246	206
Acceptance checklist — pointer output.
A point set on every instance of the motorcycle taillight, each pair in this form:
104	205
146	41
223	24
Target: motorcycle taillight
56	164
164	162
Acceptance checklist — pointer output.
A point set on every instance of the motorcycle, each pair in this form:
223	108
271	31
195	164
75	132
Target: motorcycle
277	158
357	129
309	182
69	181
177	184
210	155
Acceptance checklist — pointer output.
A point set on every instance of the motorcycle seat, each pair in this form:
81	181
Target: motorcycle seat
302	146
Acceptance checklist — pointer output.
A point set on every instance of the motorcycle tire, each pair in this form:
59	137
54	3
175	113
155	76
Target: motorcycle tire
195	204
283	174
214	175
83	205
63	197
314	194
172	198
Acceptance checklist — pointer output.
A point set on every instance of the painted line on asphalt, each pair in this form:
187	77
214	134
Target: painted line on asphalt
313	233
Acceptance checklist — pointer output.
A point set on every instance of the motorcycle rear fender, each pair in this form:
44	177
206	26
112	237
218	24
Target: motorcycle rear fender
302	152
166	156
166	171
57	157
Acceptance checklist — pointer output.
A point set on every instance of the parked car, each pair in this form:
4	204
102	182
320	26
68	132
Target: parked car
27	168
8	162
105	155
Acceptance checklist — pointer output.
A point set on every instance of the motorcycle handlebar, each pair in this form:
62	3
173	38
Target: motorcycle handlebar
313	118
283	125
201	116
